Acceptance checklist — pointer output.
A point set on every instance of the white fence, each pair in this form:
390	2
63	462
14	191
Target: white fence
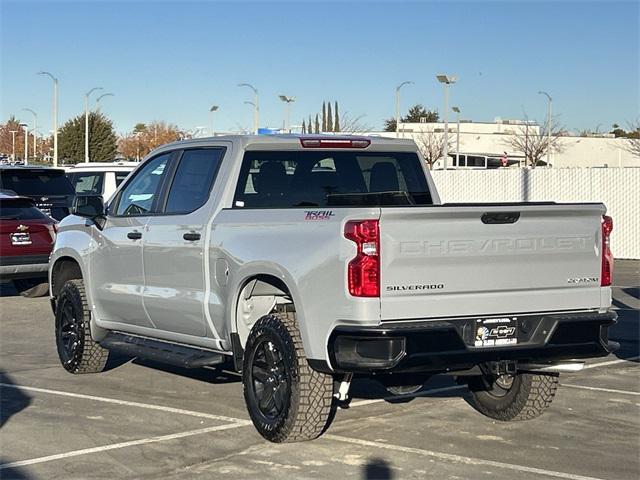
617	188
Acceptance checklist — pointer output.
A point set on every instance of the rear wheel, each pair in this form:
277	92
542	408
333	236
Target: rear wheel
512	397
287	400
31	287
77	350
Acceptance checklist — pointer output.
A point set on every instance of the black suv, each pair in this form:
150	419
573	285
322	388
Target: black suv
49	187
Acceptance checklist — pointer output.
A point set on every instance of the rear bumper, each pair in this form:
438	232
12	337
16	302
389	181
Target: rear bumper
23	266
448	344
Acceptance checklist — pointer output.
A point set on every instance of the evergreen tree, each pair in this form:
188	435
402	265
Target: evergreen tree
102	139
336	119
329	118
324	117
317	124
310	127
304	127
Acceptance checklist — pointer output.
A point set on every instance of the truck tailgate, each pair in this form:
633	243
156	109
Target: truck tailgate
466	260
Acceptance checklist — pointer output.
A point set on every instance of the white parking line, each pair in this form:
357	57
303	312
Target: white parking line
452	458
128	404
611	362
114	446
598	389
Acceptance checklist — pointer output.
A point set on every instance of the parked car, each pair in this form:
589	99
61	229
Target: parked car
306	260
99	178
48	187
26	239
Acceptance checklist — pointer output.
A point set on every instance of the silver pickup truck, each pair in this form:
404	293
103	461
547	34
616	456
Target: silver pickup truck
302	261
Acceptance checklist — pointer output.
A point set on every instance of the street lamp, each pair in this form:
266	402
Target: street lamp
86	122
35	126
446	80
247	102
457	110
256	108
214	108
287	106
100	97
398	105
549	100
55	116
26	143
13	145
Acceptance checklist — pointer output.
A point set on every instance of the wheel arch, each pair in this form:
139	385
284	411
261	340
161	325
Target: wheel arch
63	269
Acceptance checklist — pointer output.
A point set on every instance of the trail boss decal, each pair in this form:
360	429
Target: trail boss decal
318	214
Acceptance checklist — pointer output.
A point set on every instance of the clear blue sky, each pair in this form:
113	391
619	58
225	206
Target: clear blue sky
168	60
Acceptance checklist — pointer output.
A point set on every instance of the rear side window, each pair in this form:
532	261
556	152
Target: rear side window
330	179
19	209
36	182
88	182
120	176
193	179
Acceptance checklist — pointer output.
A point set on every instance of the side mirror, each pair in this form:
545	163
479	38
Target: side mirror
88	206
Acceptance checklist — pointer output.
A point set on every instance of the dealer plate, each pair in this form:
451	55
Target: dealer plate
20	239
496	332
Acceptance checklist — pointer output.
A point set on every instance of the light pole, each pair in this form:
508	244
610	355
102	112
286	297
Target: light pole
446	80
287	106
13	145
247	102
398	106
55	116
457	110
26	143
35	126
86	122
549	100
212	110
256	108
100	97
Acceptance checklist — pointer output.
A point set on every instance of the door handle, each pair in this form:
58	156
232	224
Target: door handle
191	236
134	235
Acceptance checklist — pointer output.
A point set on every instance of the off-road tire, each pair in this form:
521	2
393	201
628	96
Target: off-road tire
309	404
31	287
528	397
87	356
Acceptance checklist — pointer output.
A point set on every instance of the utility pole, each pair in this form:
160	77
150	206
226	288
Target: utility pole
13	145
55	116
398	106
287	106
549	100
35	126
86	122
457	110
256	106
25	160
446	80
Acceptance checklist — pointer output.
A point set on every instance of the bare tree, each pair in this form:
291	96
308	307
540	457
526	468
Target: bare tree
633	143
431	145
349	124
534	142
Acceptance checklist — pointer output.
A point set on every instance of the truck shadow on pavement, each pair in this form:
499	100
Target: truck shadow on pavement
12	401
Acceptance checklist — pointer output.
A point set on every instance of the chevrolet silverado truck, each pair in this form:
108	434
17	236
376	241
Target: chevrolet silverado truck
305	260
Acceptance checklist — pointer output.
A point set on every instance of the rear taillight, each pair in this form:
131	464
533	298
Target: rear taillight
364	270
607	256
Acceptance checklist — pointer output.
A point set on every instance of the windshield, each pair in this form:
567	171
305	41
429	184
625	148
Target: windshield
330	179
36	182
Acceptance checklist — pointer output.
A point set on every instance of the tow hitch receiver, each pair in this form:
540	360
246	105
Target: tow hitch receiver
502	367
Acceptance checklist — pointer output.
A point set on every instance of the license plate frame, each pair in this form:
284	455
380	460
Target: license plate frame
20	239
496	332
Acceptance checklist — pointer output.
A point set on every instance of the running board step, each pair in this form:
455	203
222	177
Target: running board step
164	352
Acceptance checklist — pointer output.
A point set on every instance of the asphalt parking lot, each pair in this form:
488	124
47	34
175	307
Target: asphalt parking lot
141	420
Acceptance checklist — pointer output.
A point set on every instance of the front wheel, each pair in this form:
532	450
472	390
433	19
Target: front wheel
287	400
77	350
512	397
